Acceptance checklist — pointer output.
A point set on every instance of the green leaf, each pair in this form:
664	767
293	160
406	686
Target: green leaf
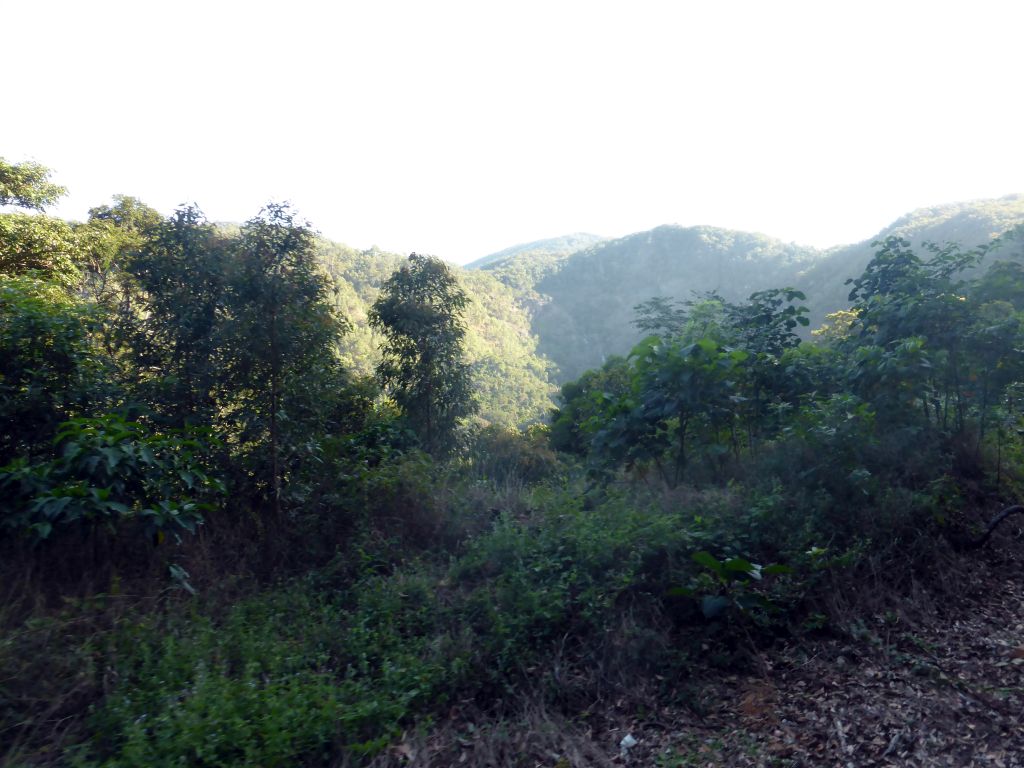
749	602
113	456
709	561
739	565
121	509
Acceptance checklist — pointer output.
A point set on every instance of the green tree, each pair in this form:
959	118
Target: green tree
584	405
106	471
40	246
32	244
109	238
170	315
280	334
420	313
27	185
909	340
50	369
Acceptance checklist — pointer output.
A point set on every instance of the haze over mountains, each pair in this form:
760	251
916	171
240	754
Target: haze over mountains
546	311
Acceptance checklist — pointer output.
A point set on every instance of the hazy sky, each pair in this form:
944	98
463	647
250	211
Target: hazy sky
461	128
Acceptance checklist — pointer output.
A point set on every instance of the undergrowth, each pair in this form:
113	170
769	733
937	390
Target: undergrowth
558	589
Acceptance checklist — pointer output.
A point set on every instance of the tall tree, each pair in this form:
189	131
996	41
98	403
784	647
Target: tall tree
50	369
420	313
110	237
280	336
41	246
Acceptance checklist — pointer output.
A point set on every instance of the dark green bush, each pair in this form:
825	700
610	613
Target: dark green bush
110	471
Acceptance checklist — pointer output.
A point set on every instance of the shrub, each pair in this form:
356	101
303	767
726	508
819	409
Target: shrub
109	471
506	455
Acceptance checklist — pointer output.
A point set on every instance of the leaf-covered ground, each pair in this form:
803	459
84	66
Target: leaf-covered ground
938	696
938	684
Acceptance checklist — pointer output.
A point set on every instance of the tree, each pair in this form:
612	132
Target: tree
50	369
30	244
420	313
910	338
109	238
41	247
280	335
585	405
170	314
27	185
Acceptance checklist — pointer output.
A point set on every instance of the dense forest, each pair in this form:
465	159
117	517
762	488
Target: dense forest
269	500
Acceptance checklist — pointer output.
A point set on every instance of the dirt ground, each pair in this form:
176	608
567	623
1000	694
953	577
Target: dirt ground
945	690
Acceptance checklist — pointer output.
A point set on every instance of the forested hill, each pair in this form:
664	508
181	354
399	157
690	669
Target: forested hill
521	267
969	224
582	304
512	381
544	312
552	247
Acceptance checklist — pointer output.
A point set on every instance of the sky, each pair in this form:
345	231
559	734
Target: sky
461	128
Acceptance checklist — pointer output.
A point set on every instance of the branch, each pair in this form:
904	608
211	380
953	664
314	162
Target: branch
994	523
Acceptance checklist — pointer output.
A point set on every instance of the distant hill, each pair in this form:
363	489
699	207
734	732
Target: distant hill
582	303
970	224
552	247
521	267
584	309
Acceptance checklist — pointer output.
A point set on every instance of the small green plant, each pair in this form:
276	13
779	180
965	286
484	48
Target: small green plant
283	678
729	584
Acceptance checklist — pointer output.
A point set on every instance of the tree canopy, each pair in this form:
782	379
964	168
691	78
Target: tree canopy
27	185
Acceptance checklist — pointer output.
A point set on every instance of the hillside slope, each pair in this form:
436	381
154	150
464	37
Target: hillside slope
970	224
544	312
586	308
552	247
581	304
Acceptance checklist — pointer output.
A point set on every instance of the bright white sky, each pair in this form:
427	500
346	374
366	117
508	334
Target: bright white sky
461	128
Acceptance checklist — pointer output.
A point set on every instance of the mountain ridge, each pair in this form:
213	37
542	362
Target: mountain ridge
581	303
564	244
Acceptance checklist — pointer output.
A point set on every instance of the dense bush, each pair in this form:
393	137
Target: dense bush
109	471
